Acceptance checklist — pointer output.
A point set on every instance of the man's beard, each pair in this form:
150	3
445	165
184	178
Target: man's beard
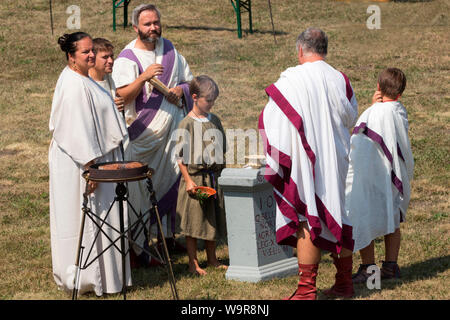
146	38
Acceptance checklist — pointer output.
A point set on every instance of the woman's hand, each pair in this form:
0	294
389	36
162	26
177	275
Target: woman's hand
92	185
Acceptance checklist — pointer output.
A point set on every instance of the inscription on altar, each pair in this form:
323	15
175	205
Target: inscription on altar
265	227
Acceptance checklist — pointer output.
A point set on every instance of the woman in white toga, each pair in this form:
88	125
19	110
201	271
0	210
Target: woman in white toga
87	129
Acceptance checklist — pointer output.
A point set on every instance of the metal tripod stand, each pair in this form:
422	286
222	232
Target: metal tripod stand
143	219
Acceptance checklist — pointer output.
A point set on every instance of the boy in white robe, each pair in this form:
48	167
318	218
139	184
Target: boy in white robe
101	72
380	171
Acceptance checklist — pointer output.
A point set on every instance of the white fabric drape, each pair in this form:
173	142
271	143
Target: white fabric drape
155	145
381	168
86	126
307	122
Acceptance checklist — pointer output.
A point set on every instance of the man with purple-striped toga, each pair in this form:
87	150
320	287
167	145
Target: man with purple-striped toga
151	117
305	128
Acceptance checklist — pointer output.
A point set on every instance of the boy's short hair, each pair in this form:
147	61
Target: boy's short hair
392	82
204	86
101	44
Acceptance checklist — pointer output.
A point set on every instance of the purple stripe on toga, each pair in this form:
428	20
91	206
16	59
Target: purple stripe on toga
289	190
147	109
348	87
364	129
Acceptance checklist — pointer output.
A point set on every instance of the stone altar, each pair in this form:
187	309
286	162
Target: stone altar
250	214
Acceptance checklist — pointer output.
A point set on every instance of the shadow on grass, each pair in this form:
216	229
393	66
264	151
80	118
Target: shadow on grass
414	272
154	277
413	0
226	29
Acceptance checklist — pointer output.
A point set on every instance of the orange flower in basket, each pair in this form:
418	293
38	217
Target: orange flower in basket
203	193
207	190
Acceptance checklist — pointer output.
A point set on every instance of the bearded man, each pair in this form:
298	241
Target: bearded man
151	117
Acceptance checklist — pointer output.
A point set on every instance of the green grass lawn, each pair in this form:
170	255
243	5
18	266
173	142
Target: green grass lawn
413	37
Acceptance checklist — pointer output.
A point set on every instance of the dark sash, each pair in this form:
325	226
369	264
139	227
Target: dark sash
147	108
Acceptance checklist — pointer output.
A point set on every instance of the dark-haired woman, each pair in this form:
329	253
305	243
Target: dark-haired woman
87	129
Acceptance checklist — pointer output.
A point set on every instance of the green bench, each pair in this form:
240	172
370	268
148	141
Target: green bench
240	6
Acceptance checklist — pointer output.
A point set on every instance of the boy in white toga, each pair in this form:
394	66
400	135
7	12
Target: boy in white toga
378	180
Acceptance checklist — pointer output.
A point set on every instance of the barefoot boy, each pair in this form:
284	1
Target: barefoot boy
201	161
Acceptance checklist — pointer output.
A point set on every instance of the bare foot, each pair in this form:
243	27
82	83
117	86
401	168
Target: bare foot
218	265
197	271
221	266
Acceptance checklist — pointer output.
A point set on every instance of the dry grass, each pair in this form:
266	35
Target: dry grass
414	37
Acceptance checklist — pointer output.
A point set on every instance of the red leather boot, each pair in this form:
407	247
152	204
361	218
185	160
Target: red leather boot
343	286
306	289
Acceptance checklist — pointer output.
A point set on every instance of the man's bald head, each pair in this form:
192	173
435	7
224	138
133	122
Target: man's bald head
313	41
